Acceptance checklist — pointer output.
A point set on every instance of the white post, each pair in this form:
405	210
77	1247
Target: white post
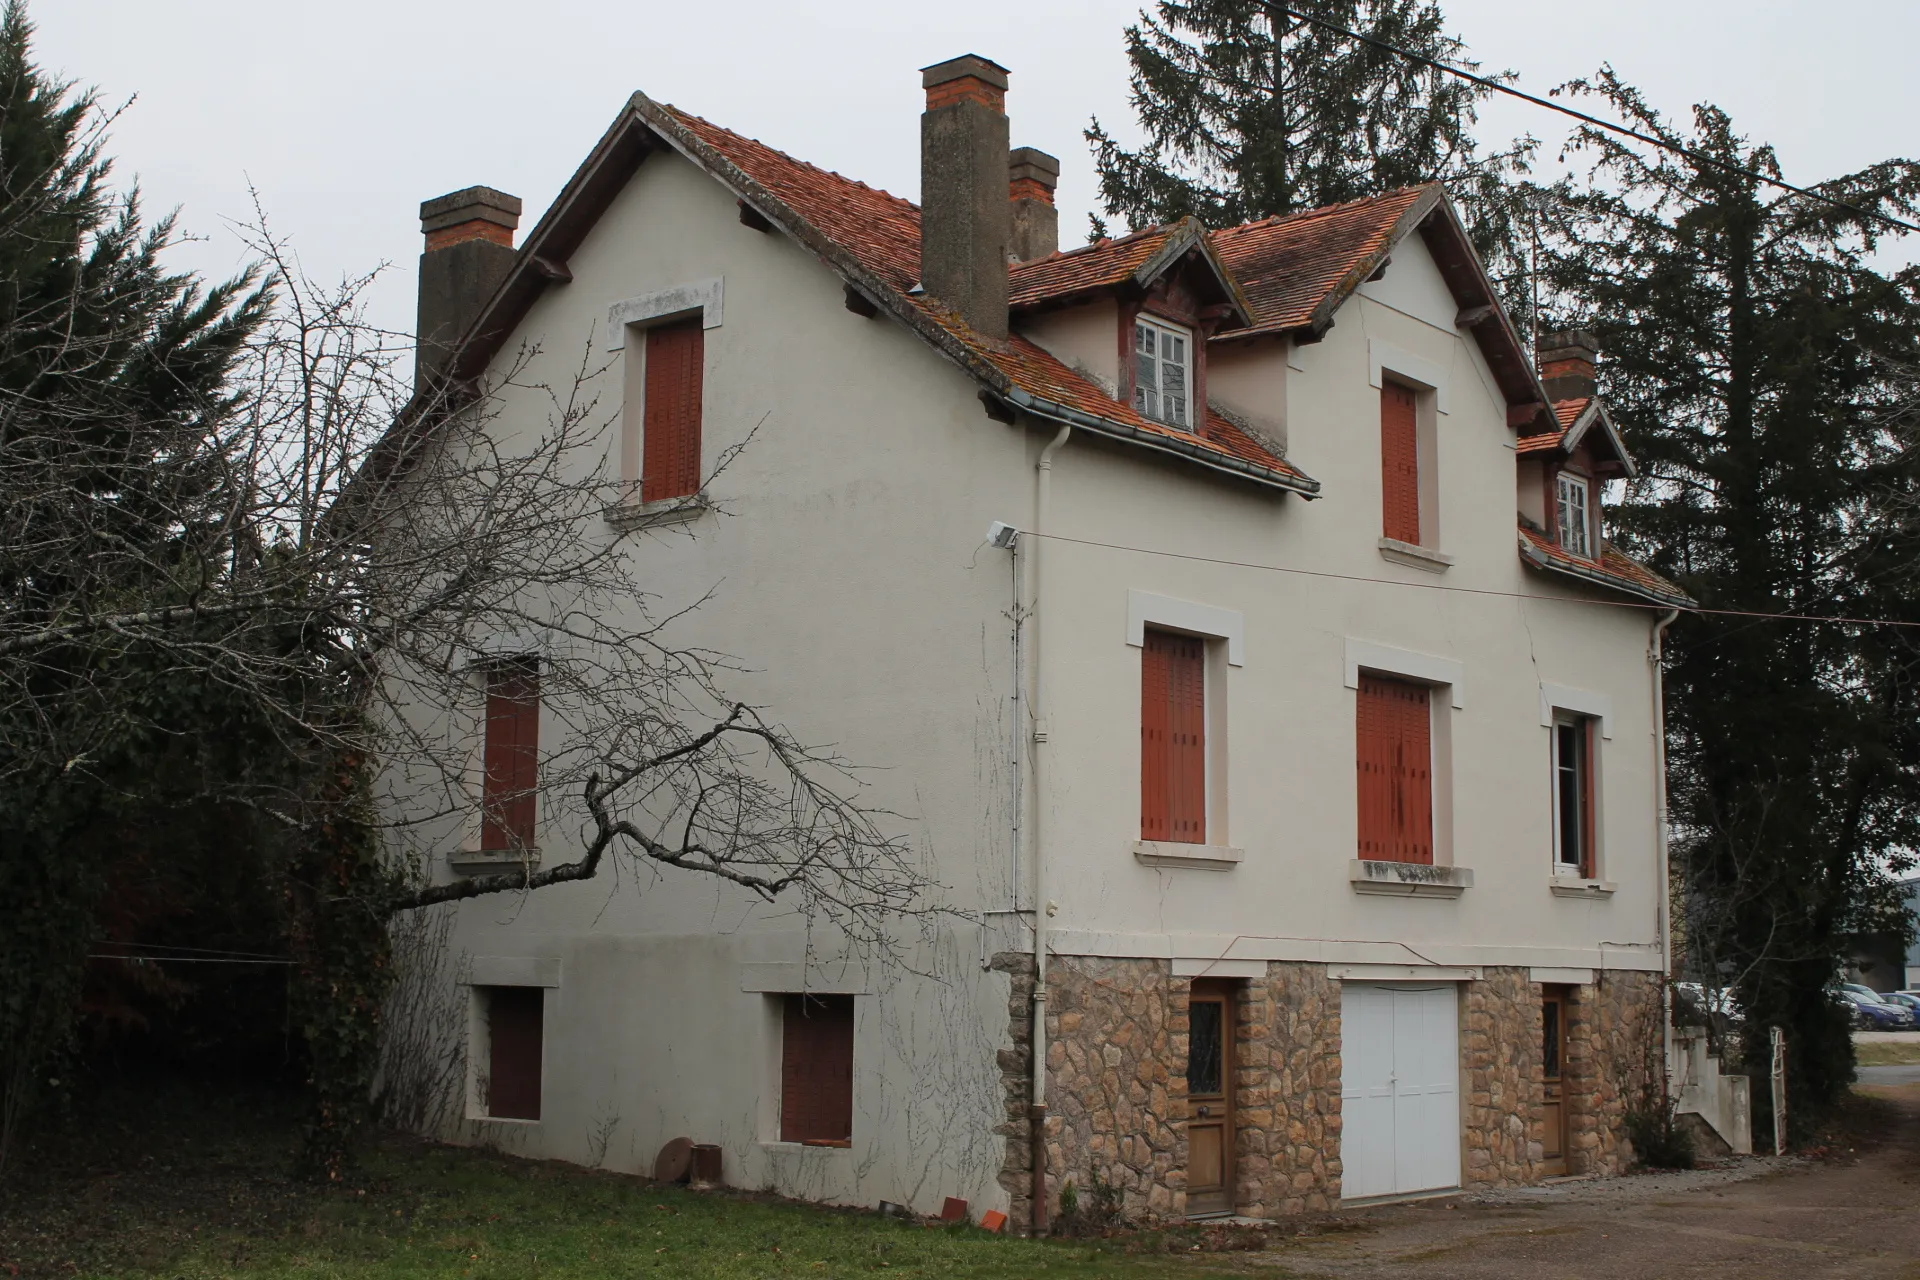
1779	1092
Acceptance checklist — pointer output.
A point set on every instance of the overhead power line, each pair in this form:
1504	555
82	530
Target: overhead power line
1477	591
1486	82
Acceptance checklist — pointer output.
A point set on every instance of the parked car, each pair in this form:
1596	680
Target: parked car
1697	1006
1908	1000
1870	1013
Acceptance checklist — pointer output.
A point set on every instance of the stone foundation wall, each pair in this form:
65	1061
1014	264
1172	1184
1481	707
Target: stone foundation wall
1117	1091
1613	1051
1501	1078
1287	1146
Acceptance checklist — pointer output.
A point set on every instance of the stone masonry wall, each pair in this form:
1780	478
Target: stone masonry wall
1287	1144
1117	1083
1117	1049
1613	1050
1500	1076
1610	1025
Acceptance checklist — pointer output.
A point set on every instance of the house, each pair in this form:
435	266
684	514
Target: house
1232	612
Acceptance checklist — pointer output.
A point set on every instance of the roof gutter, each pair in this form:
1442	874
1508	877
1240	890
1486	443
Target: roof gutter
1540	560
1069	416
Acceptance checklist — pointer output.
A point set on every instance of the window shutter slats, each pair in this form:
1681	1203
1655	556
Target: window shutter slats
513	1051
1399	463
1173	739
1394	760
511	764
816	1069
670	463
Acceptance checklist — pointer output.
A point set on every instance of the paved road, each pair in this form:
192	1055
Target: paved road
1909	1074
1845	1218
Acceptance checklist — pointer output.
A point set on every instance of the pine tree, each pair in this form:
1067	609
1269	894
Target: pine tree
1754	358
1250	113
114	381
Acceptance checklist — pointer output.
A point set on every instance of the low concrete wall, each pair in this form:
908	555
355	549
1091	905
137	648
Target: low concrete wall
1724	1102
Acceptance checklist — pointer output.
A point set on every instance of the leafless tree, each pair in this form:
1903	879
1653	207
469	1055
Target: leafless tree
360	554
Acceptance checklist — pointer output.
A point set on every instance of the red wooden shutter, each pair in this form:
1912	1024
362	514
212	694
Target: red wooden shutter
816	1069
1399	464
670	463
1173	739
1395	762
1588	750
513	1057
512	757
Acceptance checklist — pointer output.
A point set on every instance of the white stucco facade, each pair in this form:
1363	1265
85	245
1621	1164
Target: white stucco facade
844	564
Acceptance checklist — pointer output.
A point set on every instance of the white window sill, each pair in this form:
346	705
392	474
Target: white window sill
1200	857
628	516
1417	556
1409	879
484	861
1575	887
805	1148
478	1117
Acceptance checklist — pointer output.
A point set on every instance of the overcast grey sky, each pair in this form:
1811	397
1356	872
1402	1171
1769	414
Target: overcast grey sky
345	115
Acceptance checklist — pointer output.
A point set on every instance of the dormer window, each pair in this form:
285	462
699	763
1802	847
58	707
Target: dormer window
1574	514
1162	376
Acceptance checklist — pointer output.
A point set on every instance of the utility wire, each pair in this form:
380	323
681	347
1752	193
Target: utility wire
1477	591
182	959
1699	157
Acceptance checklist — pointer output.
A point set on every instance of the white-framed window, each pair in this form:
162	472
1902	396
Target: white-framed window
1162	372
1574	514
1575	822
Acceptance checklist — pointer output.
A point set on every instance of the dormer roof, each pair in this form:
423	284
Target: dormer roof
1585	419
1130	263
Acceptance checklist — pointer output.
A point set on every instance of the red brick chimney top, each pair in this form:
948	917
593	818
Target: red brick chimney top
968	78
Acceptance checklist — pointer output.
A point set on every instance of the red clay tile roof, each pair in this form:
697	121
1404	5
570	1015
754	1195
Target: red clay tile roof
1032	369
1569	411
1288	266
882	233
881	230
1613	569
1082	270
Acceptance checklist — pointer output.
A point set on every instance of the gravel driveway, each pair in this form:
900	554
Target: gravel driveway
1755	1220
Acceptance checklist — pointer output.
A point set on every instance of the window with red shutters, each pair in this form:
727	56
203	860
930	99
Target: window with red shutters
1395	756
670	461
816	1070
514	1034
1573	799
1399	463
1173	738
512	757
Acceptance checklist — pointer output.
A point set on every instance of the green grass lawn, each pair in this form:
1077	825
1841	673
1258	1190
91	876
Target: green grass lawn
1886	1053
470	1216
192	1187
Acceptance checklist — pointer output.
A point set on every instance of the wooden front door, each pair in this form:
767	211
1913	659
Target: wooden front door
1553	1105
1210	1025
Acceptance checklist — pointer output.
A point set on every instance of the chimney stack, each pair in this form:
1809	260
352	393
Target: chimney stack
965	215
1032	175
468	252
1567	362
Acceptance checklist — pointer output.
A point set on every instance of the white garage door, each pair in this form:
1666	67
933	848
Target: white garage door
1399	1089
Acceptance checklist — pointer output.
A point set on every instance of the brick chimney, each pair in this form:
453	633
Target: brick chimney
1567	363
469	249
965	215
1032	175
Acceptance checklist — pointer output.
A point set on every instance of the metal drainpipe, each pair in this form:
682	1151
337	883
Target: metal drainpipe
1042	908
1665	905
